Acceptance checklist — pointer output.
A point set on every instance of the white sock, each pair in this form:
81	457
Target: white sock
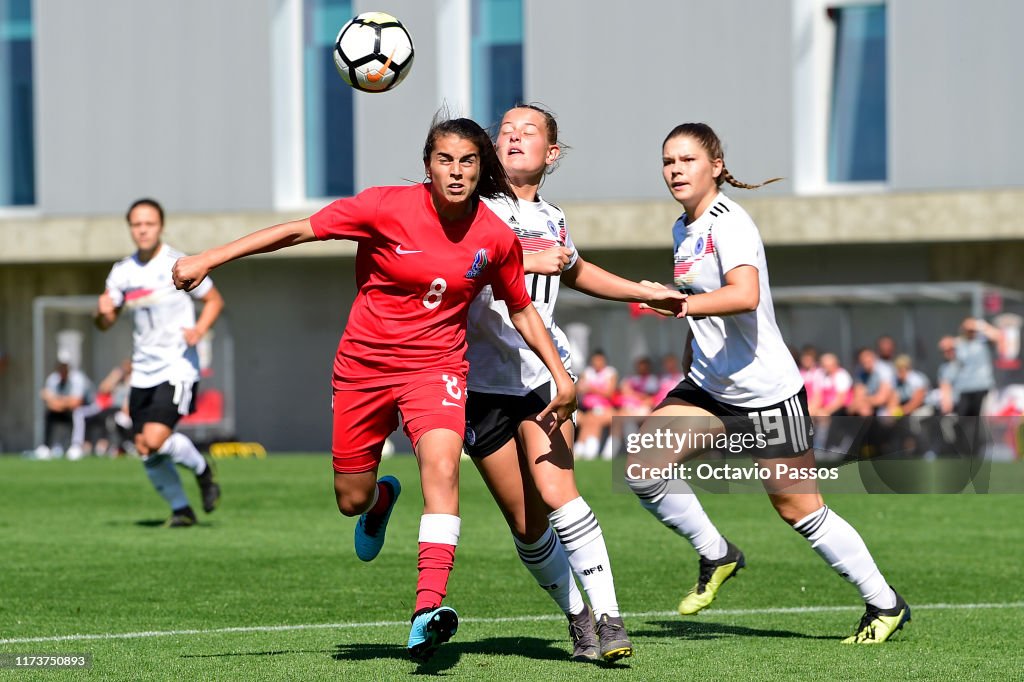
547	563
680	511
842	547
183	451
164	478
580	533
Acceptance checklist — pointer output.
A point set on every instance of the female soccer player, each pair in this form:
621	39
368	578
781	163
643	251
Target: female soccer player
742	378
527	467
165	363
425	252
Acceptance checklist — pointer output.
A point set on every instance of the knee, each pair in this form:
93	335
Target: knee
444	471
351	502
148	444
793	510
141	447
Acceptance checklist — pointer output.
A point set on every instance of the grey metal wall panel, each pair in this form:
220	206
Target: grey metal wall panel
391	126
621	75
148	97
955	95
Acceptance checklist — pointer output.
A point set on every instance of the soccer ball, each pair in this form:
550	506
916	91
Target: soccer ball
373	52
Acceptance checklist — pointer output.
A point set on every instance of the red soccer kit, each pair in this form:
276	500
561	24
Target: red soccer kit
404	344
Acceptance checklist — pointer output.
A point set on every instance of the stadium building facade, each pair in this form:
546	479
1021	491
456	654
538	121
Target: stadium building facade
895	124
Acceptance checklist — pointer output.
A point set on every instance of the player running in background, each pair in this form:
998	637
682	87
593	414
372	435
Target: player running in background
165	363
528	467
425	251
743	378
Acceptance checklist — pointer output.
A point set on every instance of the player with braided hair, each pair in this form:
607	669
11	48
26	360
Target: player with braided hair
742	380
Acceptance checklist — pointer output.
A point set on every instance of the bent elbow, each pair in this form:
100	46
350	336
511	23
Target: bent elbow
751	302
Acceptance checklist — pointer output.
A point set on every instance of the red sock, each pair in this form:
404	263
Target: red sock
435	563
383	499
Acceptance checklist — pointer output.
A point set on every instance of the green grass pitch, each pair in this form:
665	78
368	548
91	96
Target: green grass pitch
269	588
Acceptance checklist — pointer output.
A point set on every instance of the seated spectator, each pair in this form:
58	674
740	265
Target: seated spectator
885	352
635	400
70	399
873	382
671	374
944	397
596	390
637	391
807	361
909	390
835	390
112	425
872	390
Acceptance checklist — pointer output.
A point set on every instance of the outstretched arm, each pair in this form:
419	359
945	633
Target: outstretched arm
189	271
598	282
530	325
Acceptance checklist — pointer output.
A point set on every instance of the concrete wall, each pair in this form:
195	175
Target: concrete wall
138	97
146	97
955	99
627	74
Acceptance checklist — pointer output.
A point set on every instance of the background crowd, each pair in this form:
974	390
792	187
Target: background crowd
877	382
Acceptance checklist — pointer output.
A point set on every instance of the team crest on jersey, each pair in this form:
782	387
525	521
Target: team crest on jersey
480	262
698	248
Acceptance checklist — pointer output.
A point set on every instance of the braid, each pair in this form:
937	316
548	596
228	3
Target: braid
726	176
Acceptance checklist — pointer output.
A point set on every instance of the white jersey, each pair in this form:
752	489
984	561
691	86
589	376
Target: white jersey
161	312
499	359
739	359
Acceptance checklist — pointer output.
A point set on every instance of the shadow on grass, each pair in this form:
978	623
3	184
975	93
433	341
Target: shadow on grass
449	654
283	652
159	523
688	629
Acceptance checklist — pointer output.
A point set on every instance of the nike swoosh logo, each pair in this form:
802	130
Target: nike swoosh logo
401	252
377	74
447	403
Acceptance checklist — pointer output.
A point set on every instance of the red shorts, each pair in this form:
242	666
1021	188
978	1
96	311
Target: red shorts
365	416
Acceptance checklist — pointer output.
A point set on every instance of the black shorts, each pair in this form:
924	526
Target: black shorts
163	404
785	428
492	419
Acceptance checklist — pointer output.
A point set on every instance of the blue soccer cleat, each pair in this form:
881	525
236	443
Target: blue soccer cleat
431	629
370	529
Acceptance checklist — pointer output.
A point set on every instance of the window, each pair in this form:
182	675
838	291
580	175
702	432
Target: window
328	111
497	58
857	138
17	152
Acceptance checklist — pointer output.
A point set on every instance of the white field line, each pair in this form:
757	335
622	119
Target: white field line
508	619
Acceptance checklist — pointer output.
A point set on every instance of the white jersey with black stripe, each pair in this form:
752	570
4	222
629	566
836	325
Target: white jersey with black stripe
739	359
499	359
160	313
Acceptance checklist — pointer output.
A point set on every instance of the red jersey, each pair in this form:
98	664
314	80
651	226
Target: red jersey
416	280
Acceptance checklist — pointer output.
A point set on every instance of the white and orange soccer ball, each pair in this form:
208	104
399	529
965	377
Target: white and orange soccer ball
373	52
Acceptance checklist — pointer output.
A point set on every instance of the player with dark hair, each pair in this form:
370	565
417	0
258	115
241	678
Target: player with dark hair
742	379
425	251
165	362
527	466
